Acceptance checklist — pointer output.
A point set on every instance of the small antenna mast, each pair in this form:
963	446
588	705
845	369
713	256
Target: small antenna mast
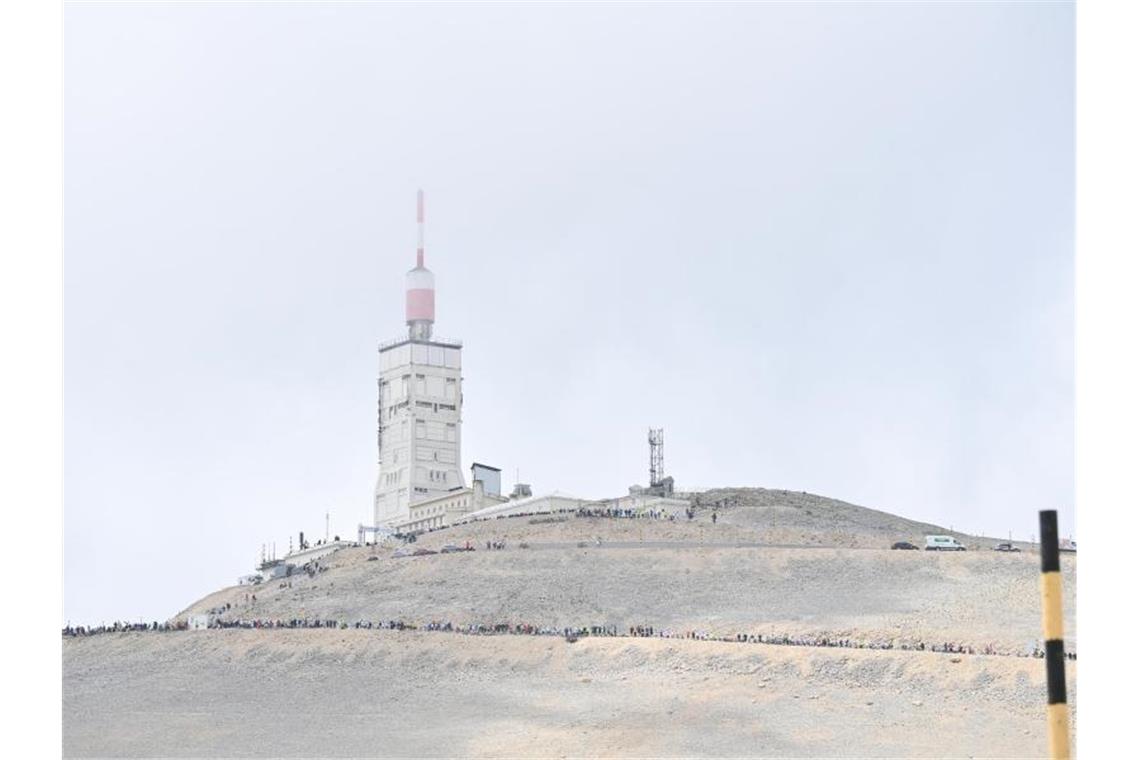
419	228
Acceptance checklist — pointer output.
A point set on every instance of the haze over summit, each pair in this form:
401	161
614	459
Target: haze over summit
826	251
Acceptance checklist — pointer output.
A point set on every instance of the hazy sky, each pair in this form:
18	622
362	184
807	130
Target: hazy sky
827	248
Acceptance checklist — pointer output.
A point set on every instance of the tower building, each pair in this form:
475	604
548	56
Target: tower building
420	405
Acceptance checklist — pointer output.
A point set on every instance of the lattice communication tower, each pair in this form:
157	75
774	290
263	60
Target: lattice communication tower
656	456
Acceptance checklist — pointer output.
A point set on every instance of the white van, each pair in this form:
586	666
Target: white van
943	544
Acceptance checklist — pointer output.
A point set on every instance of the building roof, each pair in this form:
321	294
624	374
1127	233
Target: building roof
519	505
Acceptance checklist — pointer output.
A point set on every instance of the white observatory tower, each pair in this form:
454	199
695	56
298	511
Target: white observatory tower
421	400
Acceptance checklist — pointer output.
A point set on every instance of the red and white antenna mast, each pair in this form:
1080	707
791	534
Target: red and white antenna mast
419	304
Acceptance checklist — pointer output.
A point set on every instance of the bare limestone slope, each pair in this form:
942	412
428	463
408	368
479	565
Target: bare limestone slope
781	516
327	693
775	562
675	575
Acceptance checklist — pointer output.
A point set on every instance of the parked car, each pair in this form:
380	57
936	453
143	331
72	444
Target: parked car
422	552
943	544
904	545
1006	547
402	552
450	548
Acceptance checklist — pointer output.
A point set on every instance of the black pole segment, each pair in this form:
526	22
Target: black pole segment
1055	671
1050	553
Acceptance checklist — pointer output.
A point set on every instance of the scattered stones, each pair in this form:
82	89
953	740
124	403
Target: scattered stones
439	677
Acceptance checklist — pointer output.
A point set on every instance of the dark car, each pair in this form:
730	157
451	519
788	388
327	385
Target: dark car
904	545
422	552
1006	547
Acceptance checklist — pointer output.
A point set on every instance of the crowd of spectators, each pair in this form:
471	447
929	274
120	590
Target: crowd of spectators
572	633
411	537
277	623
646	514
312	568
552	515
124	627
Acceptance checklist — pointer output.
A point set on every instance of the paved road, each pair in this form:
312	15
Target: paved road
679	545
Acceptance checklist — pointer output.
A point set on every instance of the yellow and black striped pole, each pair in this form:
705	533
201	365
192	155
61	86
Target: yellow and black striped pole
1052	624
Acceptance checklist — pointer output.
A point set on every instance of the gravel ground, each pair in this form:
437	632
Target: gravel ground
340	693
312	693
974	598
805	518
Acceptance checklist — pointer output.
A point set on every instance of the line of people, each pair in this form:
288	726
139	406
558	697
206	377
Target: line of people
572	633
121	626
630	514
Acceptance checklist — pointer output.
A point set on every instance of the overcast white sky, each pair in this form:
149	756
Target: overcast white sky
827	248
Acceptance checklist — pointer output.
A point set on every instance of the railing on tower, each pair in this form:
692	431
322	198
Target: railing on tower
406	339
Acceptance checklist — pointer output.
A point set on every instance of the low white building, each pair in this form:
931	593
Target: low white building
558	502
275	569
544	504
448	509
314	551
